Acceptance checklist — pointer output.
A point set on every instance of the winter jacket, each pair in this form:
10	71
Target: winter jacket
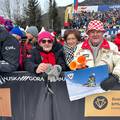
108	54
9	52
117	41
34	59
24	50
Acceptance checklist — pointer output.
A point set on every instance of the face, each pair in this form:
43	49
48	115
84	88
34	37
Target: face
29	36
46	44
95	37
71	40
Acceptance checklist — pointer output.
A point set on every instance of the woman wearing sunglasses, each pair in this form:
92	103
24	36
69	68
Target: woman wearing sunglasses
41	57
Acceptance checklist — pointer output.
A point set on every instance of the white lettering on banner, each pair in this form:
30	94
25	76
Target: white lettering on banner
10	48
3	79
3	62
23	78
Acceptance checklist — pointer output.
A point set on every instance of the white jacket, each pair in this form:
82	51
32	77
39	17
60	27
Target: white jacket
108	54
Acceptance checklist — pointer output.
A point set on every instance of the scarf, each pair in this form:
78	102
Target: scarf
48	57
69	53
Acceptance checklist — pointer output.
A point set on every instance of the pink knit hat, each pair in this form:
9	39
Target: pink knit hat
95	25
45	34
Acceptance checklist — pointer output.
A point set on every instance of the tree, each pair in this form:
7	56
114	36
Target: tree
56	18
16	13
6	8
33	13
50	14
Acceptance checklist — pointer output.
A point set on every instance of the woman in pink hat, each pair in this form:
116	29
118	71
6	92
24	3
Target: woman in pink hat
41	57
99	51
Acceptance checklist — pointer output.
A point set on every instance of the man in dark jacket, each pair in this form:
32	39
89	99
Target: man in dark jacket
9	52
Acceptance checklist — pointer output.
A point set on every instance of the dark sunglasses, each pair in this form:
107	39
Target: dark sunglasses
44	41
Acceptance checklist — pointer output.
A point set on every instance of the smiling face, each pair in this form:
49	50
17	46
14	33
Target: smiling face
46	44
95	37
71	40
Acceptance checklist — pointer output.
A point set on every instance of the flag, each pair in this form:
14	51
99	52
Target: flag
75	5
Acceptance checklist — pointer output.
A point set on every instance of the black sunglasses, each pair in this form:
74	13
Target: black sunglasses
44	41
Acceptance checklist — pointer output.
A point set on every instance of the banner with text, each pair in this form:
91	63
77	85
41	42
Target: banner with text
104	104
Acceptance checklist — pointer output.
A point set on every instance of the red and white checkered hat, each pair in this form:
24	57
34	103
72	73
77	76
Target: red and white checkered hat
95	25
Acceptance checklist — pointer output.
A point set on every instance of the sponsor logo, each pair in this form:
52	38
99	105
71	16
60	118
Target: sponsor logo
86	55
10	48
100	102
23	78
70	76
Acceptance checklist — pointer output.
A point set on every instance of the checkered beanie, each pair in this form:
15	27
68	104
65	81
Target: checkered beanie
95	25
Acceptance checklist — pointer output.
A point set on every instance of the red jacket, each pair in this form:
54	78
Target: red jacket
117	41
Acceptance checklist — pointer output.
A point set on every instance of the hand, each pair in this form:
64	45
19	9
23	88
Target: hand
42	68
110	82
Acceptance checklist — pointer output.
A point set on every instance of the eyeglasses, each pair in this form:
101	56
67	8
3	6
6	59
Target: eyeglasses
48	41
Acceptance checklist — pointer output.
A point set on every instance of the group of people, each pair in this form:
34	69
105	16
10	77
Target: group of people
110	18
47	56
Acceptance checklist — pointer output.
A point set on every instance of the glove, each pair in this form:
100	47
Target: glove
53	72
110	82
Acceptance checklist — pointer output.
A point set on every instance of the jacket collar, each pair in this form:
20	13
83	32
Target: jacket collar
104	45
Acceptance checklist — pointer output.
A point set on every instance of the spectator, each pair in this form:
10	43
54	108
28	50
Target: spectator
31	40
18	34
56	45
41	57
117	40
60	40
8	25
9	52
72	38
99	51
31	34
2	20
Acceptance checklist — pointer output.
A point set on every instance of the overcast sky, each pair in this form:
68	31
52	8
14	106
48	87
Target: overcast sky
45	3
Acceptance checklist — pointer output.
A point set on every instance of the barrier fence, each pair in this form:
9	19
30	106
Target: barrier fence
31	99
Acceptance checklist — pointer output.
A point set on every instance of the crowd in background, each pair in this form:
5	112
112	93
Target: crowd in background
110	18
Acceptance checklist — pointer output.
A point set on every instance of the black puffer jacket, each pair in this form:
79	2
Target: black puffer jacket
9	52
34	59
